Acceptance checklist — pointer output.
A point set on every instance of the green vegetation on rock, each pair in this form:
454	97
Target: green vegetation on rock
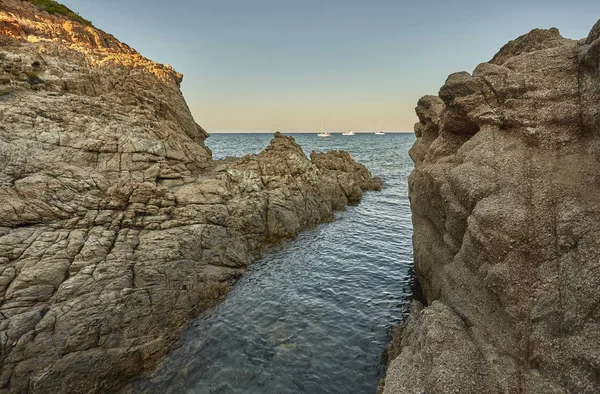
56	8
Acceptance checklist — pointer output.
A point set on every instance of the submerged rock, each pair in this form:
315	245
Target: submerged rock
116	226
506	215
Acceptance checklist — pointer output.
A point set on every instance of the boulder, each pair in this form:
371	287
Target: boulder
506	213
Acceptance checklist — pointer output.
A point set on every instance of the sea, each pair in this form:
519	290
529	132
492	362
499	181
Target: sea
316	315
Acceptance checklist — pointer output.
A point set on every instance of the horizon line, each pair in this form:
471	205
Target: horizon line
301	132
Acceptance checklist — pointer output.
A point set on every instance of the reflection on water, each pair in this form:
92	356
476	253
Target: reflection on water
316	316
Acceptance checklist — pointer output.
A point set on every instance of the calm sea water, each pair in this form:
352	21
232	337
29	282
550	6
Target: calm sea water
316	316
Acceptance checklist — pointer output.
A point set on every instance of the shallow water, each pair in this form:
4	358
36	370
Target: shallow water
316	316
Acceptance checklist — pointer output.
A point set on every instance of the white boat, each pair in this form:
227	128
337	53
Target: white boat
379	132
323	133
351	132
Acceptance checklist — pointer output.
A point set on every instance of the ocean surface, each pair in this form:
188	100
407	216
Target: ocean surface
315	316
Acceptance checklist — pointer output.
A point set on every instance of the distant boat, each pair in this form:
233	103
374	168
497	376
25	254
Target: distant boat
351	132
379	132
323	133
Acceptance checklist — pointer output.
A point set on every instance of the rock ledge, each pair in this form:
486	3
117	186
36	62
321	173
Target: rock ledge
116	225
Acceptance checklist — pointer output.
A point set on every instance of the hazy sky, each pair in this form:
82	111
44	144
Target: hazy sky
264	65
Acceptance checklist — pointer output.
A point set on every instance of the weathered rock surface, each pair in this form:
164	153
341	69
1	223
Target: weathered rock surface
116	226
506	211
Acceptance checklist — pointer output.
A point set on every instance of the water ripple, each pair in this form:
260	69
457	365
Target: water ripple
316	316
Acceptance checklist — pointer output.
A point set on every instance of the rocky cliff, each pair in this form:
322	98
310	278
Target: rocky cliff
506	213
116	226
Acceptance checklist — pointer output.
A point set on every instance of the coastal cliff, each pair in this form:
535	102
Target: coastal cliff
116	225
506	215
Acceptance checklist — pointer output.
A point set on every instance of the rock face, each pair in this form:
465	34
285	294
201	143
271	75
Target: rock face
506	211
116	226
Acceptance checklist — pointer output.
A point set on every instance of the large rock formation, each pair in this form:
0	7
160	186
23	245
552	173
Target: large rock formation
506	210
116	226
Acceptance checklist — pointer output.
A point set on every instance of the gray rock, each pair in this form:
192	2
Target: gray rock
116	226
506	215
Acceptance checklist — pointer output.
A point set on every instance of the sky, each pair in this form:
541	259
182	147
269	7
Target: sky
265	65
